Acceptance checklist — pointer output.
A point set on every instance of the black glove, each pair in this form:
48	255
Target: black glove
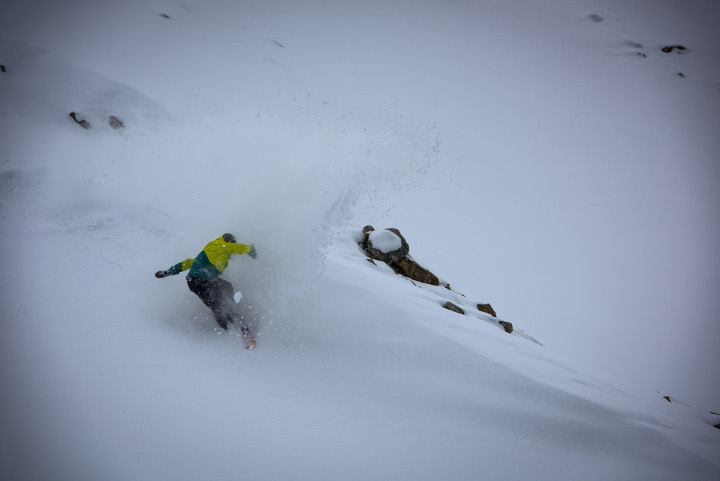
253	253
161	274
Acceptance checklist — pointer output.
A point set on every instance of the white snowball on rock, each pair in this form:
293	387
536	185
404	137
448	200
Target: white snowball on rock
385	241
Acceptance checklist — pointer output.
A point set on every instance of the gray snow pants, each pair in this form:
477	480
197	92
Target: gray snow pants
218	296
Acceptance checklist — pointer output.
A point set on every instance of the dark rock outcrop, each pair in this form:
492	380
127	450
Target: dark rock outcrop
507	326
388	257
679	48
113	121
394	250
116	123
452	307
404	246
398	259
81	122
366	238
487	309
3	69
411	269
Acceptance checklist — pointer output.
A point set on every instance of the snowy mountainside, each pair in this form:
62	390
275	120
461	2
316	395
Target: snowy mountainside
365	365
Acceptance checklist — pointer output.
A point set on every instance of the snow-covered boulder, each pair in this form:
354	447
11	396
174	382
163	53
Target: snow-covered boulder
387	245
390	246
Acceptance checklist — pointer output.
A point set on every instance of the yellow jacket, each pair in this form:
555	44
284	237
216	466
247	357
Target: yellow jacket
213	259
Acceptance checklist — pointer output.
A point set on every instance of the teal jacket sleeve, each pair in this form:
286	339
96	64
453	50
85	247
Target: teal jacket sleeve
180	267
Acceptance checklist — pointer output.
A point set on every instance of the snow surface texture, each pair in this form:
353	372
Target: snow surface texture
529	153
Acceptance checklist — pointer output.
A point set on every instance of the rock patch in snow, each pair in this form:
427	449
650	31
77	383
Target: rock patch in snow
389	246
411	269
81	122
452	307
116	123
671	48
487	309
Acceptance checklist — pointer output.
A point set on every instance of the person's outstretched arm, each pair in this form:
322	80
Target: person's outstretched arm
237	248
176	269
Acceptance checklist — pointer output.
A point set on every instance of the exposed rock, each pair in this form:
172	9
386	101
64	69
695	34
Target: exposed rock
82	122
409	268
405	247
398	259
667	398
595	17
392	248
452	307
381	253
670	48
366	236
2	68
165	15
367	246
116	123
636	45
487	309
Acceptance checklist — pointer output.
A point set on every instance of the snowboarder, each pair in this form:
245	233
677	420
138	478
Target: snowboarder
204	278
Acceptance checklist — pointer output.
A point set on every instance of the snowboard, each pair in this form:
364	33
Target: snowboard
246	334
248	338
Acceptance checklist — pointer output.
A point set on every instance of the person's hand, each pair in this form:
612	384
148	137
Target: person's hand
253	253
161	274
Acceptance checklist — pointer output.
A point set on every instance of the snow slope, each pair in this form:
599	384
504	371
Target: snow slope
292	127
